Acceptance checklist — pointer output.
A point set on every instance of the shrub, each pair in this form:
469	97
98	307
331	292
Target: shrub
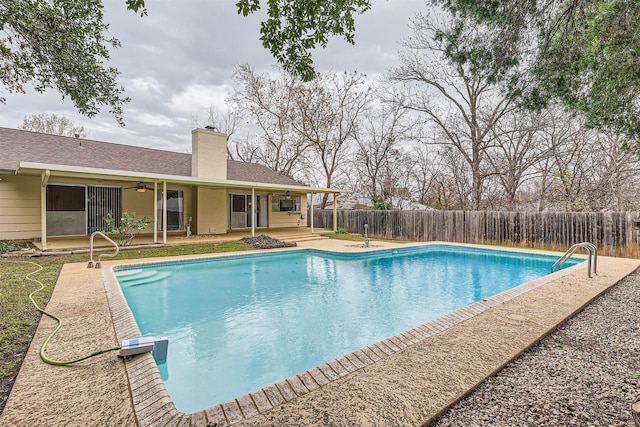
9	246
129	227
341	231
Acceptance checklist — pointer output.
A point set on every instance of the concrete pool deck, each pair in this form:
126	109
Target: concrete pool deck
405	380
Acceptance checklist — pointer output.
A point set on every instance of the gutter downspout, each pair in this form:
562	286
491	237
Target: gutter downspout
44	179
164	212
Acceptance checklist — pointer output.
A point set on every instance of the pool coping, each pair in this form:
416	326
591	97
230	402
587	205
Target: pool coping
153	405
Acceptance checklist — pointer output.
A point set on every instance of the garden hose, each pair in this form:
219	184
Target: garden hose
43	354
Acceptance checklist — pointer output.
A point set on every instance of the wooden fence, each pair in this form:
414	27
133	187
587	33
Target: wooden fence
614	233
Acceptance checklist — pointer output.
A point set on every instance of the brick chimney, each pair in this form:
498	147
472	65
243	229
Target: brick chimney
208	154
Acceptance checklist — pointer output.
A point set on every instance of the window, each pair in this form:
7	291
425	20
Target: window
284	203
65	198
238	203
66	210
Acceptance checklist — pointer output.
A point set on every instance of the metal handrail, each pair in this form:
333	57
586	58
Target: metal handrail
589	247
98	263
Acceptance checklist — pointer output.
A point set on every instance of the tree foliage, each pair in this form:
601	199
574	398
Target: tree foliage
293	28
53	124
60	45
582	52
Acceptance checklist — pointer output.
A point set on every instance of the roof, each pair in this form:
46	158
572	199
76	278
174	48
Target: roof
24	146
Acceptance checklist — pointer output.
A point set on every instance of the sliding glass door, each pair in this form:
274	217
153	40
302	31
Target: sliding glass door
240	211
175	210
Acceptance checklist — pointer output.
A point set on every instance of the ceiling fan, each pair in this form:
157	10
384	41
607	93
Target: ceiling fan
141	187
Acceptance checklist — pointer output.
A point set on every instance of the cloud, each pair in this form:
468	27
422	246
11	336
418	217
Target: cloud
143	84
198	97
149	119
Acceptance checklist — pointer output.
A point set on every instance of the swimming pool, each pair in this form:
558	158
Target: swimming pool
242	323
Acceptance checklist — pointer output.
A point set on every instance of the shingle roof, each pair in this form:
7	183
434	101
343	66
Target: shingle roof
23	146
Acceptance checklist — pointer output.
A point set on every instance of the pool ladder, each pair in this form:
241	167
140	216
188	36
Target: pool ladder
589	247
98	264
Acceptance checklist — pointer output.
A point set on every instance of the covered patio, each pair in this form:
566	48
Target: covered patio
78	244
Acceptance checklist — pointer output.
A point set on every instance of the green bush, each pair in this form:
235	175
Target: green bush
9	246
128	229
341	231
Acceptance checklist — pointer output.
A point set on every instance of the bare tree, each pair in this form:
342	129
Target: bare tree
377	156
563	172
227	122
457	98
427	168
330	108
271	104
455	189
519	147
245	149
610	173
53	124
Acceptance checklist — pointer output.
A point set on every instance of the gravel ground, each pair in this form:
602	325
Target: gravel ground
266	242
586	373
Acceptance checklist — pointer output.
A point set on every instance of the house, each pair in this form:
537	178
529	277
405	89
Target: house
52	186
361	201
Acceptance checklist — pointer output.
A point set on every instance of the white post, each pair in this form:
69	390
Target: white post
335	212
253	212
311	213
164	212
44	178
155	211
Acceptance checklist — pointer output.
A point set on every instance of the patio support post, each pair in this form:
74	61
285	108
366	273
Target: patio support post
311	213
155	211
335	212
164	212
44	179
253	211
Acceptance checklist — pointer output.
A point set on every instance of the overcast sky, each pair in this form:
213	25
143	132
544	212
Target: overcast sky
179	60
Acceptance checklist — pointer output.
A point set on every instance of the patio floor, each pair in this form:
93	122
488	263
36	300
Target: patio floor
407	388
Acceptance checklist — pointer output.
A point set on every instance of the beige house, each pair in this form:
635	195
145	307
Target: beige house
53	186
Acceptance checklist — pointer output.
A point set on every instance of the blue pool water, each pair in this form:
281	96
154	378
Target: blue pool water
238	324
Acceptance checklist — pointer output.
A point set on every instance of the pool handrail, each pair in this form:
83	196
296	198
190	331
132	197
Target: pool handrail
589	247
98	263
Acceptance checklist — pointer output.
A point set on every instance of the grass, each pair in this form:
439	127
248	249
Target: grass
19	318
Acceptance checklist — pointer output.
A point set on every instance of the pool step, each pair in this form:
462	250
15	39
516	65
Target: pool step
135	275
302	237
127	273
143	277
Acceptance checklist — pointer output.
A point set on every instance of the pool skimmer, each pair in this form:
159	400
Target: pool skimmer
158	346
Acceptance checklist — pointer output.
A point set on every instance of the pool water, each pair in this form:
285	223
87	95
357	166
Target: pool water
239	324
